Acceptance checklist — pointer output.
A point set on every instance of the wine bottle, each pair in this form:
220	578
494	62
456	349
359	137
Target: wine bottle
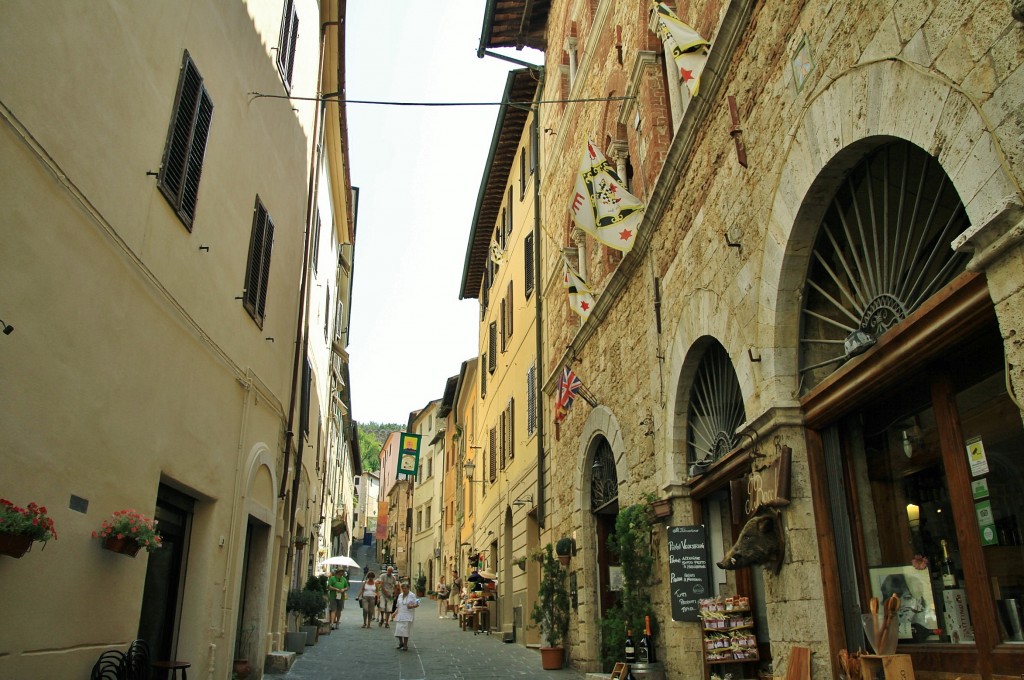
630	650
645	650
949	580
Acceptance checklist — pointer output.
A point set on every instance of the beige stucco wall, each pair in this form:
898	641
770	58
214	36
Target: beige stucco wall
133	362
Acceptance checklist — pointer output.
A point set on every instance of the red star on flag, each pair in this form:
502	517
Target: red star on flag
687	75
625	234
584	306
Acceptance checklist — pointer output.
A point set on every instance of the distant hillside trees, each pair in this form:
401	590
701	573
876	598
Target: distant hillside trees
371	438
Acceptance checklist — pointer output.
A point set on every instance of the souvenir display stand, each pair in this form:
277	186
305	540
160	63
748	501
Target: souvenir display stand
727	625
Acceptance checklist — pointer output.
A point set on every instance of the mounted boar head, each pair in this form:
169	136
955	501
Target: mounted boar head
761	541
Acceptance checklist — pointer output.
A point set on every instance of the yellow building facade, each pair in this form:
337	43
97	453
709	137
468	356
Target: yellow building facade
504	444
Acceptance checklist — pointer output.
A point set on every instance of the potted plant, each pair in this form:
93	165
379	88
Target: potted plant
551	611
20	527
421	585
127	531
564	548
314	600
631	543
295	641
241	666
520	562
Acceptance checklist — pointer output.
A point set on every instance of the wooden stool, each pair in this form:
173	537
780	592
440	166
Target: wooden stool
173	667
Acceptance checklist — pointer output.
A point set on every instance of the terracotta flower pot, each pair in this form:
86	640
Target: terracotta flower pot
14	545
242	668
551	658
126	546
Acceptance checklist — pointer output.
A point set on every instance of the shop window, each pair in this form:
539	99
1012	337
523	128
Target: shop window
925	500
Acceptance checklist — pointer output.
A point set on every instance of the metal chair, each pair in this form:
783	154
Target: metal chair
137	661
110	666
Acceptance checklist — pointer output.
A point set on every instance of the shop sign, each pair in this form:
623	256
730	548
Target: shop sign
688	576
976	457
409	454
767	484
986	523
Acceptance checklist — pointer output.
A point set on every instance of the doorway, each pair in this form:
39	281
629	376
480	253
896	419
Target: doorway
165	574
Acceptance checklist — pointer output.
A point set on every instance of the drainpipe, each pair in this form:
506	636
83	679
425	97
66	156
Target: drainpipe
534	141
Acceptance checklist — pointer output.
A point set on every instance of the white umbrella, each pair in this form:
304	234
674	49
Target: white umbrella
341	561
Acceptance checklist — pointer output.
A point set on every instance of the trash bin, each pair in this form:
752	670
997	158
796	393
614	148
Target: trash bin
648	671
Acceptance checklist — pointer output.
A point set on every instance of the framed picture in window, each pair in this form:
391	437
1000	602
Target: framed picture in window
917	617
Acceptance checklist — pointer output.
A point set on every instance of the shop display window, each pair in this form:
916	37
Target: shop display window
910	530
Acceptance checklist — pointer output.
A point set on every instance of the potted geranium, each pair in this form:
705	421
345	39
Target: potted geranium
20	527
127	531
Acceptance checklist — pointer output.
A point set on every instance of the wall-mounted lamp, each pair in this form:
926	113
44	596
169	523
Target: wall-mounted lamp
8	328
912	438
857	342
524	500
470	468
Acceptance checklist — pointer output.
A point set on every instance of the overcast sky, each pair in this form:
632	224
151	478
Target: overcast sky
418	170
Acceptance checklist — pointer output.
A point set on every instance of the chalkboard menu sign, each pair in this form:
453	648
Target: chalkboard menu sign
688	570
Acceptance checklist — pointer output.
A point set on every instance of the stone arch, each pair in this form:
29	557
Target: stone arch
700	318
600	422
260	482
860	110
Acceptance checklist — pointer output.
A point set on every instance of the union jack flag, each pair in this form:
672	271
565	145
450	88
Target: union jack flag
569	386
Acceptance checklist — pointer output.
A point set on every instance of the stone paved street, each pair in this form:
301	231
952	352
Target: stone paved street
438	650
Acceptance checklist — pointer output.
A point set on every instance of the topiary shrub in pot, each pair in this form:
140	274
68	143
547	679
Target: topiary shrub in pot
551	611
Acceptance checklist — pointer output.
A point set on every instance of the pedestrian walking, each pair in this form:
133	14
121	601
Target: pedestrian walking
368	598
455	594
405	613
337	588
442	597
388	591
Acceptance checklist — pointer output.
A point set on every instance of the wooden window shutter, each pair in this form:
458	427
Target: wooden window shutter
508	222
511	419
511	306
493	462
286	45
182	164
257	271
492	345
483	376
504	324
503	433
531	400
522	174
528	258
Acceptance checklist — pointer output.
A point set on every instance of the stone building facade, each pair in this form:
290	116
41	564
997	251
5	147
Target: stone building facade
828	270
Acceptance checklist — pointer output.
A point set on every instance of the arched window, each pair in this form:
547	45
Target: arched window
715	408
882	249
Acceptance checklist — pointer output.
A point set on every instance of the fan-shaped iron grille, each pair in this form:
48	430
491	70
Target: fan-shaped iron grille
882	249
716	408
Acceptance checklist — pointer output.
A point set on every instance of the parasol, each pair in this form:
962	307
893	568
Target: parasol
341	561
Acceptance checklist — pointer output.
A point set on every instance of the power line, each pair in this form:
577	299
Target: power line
332	98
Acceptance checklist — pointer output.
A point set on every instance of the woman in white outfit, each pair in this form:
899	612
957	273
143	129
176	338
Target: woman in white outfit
405	606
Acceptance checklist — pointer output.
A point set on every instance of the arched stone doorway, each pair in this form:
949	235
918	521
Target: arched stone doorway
604	507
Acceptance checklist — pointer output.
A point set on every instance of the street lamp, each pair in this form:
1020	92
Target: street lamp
470	468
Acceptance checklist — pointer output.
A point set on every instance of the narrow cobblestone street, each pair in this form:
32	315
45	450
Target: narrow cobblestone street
438	648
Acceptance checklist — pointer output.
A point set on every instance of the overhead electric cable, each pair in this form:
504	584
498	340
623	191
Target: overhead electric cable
329	98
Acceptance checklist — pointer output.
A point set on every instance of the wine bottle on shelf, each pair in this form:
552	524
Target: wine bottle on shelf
949	580
645	650
630	649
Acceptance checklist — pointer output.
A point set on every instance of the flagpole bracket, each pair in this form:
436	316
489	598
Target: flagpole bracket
736	132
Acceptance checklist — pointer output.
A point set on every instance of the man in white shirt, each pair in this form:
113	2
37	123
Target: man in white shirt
387	586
